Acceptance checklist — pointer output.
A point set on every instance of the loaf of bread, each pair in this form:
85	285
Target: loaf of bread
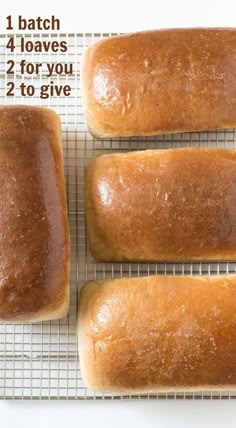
34	235
160	82
158	334
177	204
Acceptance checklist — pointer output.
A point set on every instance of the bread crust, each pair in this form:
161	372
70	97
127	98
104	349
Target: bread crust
176	204
160	82
158	334
34	233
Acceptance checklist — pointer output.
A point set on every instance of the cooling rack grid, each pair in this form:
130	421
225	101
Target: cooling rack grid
40	361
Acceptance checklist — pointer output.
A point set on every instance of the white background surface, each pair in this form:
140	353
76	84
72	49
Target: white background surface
123	16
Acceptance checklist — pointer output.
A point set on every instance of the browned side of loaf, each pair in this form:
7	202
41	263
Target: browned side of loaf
160	82
158	334
34	233
152	205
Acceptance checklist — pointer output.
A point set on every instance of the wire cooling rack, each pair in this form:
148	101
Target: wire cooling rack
40	361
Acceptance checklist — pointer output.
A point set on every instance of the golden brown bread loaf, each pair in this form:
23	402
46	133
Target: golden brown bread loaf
151	205
34	235
158	334
160	82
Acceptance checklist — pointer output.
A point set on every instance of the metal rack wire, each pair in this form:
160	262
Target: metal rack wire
40	361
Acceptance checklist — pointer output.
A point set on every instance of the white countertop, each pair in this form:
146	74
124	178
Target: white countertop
122	16
135	414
